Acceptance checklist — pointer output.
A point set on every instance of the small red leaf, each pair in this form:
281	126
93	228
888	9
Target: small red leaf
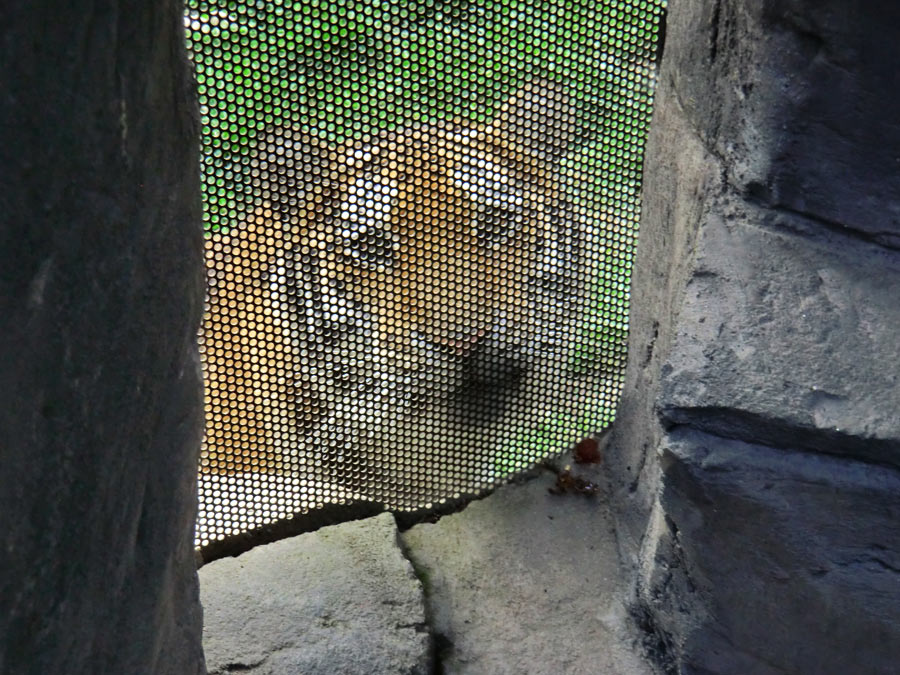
587	451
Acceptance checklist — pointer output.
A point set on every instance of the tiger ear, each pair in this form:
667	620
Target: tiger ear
538	117
287	165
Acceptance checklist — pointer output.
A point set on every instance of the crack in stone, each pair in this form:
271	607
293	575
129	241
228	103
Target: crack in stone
747	427
240	667
435	656
869	559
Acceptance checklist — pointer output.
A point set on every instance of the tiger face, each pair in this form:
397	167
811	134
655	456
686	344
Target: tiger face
432	231
370	266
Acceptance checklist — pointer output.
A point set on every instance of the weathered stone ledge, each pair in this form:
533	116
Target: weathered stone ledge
522	581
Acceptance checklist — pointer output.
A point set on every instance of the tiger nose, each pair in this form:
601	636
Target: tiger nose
459	342
491	373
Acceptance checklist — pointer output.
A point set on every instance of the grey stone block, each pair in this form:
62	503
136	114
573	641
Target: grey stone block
787	341
681	173
527	582
758	440
101	292
780	562
340	600
798	99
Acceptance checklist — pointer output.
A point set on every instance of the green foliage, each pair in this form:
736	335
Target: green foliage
345	69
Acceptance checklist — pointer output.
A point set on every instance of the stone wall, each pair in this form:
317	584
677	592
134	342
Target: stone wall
101	293
757	472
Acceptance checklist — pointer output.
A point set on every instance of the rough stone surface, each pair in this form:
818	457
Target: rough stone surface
679	175
792	342
797	98
526	582
794	553
101	291
340	600
758	441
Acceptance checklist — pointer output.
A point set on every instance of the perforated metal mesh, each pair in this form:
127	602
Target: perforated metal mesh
421	218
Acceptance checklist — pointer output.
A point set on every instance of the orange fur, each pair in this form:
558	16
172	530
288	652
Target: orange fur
246	348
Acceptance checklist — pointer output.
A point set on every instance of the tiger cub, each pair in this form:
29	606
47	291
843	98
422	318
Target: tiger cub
370	266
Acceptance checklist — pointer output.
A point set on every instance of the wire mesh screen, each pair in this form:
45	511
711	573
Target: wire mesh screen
421	217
